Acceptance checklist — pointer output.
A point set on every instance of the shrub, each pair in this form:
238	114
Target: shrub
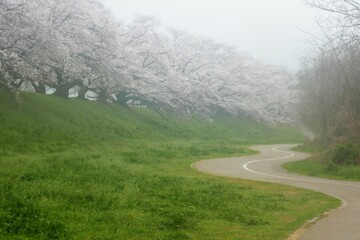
345	154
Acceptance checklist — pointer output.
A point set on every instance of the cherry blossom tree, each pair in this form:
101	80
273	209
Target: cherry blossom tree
78	45
17	33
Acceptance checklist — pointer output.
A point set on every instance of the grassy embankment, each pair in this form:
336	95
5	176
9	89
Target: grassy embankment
319	166
74	169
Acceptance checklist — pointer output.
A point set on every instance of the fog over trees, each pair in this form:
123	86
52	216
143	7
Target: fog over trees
330	81
76	47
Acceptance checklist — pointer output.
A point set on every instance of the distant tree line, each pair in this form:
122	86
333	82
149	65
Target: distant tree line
330	82
77	48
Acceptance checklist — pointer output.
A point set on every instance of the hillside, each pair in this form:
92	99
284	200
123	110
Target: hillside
51	124
74	169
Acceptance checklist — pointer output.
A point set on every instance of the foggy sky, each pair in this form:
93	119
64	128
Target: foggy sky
274	31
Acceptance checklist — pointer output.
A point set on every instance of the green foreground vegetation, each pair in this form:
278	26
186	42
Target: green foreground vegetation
73	169
321	166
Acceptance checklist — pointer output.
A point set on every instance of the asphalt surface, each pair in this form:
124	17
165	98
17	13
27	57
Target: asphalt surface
339	224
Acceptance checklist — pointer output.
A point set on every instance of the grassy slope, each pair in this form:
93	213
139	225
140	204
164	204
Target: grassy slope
82	170
317	167
56	122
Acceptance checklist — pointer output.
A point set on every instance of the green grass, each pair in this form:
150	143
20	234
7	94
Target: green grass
317	166
82	170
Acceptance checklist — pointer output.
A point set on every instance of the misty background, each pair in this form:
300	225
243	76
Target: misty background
277	32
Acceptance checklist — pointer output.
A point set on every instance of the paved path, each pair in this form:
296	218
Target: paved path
340	224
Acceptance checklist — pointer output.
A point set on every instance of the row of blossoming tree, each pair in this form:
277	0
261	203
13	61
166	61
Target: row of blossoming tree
77	48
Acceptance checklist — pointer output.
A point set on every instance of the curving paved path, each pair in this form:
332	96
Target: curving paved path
340	224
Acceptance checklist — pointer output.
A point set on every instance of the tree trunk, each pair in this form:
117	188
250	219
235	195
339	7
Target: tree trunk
81	93
63	90
39	87
102	96
122	98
